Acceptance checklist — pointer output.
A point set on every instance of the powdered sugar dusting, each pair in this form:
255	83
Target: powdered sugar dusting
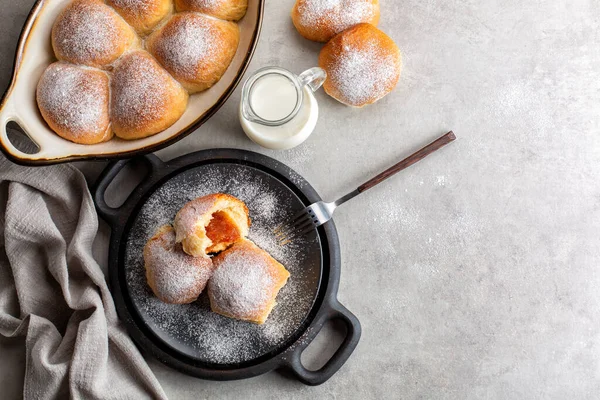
75	98
177	276
187	42
243	282
134	5
196	330
206	3
138	90
340	14
363	73
86	33
188	217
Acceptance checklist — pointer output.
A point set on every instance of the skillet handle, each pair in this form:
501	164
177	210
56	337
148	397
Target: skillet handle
113	215
314	378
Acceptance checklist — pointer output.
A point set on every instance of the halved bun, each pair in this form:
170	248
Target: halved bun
211	224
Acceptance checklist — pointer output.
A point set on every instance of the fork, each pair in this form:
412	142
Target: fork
320	212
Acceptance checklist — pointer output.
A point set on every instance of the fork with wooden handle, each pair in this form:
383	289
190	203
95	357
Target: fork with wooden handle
318	213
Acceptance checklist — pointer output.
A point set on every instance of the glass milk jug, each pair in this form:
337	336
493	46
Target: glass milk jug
278	109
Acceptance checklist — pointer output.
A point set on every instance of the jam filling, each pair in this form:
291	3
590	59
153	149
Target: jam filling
221	230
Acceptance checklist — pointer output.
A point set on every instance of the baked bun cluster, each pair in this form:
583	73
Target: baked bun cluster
152	56
363	64
207	243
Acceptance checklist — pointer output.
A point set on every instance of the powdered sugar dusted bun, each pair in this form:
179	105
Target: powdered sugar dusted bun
174	276
231	10
145	99
143	15
320	20
211	223
363	65
195	49
89	32
74	102
246	282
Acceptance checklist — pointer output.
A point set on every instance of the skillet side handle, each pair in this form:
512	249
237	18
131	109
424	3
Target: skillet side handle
114	215
314	378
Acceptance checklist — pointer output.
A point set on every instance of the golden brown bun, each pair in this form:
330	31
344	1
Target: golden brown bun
142	15
174	276
320	20
195	49
145	99
89	32
246	282
363	65
211	223
74	102
230	10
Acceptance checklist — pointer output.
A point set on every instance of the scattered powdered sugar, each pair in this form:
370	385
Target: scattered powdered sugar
365	73
87	32
339	14
74	98
177	276
192	328
187	42
265	205
138	90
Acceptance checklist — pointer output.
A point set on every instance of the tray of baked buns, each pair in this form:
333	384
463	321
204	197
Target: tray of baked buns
98	79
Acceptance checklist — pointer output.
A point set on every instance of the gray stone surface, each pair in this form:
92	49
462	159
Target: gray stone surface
474	273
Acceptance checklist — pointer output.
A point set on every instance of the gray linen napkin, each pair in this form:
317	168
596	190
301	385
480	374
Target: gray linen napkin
54	293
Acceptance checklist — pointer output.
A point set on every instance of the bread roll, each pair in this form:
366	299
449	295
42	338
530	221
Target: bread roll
211	223
74	102
89	32
320	20
145	99
142	15
195	49
231	10
246	282
363	65
174	276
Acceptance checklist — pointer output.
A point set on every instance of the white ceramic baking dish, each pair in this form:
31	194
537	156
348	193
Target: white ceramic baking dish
34	54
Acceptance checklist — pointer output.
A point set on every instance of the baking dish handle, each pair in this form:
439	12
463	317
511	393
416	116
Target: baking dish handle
7	115
335	311
115	216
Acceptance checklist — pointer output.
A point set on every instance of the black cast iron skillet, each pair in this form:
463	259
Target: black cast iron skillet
324	278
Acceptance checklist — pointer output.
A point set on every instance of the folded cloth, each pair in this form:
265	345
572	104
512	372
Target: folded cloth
54	293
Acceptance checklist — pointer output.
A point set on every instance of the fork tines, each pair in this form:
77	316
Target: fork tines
301	224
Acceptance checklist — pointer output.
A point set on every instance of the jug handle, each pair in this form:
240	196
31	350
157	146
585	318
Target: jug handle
313	78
